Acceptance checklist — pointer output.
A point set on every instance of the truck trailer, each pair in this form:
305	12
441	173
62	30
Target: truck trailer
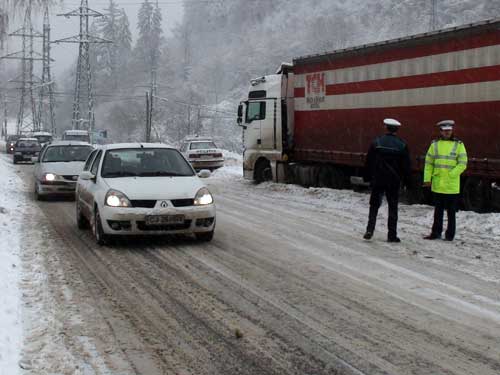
312	122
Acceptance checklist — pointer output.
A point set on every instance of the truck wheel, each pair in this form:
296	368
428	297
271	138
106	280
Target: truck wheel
475	194
324	177
339	179
263	171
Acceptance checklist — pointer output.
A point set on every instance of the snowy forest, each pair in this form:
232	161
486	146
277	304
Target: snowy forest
204	65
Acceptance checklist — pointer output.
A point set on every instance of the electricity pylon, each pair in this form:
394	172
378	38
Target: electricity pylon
27	78
83	81
46	116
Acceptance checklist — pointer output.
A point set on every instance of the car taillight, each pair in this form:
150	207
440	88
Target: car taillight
194	156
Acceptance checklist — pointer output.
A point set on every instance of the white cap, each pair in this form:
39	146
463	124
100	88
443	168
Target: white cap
446	124
391	122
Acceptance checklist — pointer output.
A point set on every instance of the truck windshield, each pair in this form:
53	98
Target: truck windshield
44	138
144	162
77	137
60	154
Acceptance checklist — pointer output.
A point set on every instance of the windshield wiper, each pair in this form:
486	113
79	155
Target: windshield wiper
161	173
119	174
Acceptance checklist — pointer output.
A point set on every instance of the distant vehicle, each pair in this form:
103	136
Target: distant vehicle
202	153
25	149
58	167
76	135
43	137
10	143
143	189
313	122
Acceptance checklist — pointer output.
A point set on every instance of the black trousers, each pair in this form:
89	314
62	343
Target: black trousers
392	195
446	202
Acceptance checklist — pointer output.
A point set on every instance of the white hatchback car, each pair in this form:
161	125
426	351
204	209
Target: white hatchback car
143	189
202	153
58	166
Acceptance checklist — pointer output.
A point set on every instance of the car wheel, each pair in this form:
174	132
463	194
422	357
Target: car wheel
205	236
81	220
38	196
100	237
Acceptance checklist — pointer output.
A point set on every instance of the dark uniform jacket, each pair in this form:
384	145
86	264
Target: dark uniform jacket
388	162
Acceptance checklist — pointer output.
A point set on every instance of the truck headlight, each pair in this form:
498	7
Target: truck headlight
203	197
115	198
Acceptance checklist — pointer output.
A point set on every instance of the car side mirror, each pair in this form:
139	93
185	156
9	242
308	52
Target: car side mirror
204	173
240	114
87	176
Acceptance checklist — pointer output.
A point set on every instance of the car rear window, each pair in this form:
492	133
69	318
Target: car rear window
202	145
145	162
27	144
58	154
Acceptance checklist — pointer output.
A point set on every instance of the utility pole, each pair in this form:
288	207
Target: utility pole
148	117
27	79
46	116
83	81
433	21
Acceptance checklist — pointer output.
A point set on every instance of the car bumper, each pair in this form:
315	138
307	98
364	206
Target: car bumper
132	221
57	189
207	164
25	157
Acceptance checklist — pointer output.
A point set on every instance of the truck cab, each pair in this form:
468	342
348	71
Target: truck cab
266	117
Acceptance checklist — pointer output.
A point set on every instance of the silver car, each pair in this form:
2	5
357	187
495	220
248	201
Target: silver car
58	166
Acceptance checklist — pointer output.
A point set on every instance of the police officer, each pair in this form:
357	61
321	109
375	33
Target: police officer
387	164
445	161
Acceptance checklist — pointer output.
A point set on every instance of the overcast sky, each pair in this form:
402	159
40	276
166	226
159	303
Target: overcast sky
65	54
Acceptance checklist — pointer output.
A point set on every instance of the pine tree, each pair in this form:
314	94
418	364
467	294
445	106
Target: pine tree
147	49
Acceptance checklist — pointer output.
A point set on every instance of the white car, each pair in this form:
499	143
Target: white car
58	166
202	153
143	189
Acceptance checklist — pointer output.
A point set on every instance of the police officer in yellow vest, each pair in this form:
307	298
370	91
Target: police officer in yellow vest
445	161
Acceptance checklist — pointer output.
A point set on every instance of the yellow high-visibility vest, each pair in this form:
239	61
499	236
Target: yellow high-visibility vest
445	161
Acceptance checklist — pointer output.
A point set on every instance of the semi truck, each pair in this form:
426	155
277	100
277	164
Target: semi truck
313	121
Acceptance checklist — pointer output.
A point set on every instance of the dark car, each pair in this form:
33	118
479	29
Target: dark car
10	143
25	149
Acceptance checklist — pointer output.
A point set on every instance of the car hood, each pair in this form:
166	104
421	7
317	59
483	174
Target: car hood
72	168
156	187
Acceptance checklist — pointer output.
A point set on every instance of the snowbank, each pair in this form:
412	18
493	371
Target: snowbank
12	203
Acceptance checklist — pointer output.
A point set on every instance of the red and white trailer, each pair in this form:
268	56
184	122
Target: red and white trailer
313	121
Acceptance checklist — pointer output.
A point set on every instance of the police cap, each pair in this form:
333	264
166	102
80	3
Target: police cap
446	124
391	122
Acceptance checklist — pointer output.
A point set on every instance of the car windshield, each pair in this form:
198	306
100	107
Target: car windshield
27	144
60	154
202	145
145	162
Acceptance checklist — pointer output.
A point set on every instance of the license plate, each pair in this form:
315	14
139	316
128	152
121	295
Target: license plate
164	219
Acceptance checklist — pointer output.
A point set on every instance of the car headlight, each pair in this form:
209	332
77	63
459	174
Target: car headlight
203	197
115	198
49	177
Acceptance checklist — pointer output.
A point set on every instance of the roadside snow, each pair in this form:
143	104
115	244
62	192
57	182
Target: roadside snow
475	251
12	204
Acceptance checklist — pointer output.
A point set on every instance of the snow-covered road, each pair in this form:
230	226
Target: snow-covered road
286	287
